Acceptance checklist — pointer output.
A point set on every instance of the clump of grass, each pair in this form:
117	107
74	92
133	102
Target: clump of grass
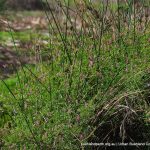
93	79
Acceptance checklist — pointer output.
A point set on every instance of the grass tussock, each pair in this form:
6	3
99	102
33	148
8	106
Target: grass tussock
93	85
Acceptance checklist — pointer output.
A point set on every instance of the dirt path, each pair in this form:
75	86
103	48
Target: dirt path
8	60
20	23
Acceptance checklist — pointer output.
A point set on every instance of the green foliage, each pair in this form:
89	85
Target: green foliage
2	5
59	103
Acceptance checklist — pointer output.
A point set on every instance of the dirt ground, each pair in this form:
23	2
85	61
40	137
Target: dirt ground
19	23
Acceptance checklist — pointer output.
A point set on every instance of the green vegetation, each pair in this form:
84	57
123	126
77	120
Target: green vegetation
22	36
2	5
90	81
